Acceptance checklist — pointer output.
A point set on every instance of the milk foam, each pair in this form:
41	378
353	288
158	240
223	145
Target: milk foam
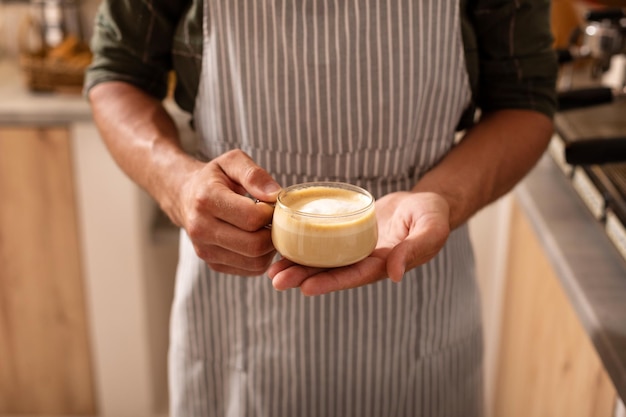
331	206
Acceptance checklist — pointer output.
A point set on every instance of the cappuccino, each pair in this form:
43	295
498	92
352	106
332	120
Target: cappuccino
324	225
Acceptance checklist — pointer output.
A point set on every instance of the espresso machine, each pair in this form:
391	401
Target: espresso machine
592	114
598	42
602	36
589	143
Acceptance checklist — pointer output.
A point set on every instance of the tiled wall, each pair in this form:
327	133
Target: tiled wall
14	13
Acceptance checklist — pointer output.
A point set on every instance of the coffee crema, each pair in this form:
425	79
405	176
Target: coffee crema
324	224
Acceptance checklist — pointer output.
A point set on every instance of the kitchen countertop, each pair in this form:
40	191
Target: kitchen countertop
591	270
18	106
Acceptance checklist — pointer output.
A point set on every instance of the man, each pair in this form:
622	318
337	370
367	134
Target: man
367	92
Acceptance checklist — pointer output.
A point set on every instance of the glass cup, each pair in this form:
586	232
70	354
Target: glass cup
324	224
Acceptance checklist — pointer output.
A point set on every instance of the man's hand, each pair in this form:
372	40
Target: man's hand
412	229
211	201
226	226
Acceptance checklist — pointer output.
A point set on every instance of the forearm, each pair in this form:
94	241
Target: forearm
492	157
143	140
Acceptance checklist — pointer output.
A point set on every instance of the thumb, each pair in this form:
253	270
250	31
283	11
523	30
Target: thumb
397	262
257	182
412	252
264	188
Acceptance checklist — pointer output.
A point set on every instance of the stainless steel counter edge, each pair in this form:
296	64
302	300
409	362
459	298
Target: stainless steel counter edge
591	270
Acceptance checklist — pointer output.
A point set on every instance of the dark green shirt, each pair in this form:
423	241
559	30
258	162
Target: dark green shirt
508	50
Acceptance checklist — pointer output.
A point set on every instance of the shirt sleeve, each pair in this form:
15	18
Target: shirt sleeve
516	61
132	42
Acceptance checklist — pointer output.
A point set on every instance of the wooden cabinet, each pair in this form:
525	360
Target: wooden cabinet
84	289
547	364
45	360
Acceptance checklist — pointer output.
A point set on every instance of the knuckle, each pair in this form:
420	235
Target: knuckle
203	253
251	173
195	221
228	155
196	229
252	222
257	247
232	156
235	153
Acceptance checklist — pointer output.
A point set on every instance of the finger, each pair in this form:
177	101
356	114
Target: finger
278	266
250	215
239	167
233	239
367	271
223	260
397	262
236	209
411	252
233	270
286	274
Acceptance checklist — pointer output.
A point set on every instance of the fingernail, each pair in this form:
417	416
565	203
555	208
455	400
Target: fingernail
400	276
271	188
277	288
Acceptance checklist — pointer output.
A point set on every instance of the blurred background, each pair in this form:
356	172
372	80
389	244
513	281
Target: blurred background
87	259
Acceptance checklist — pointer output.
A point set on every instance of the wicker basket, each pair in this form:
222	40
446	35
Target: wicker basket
43	74
57	69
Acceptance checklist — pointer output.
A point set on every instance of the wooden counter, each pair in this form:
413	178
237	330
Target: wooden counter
563	350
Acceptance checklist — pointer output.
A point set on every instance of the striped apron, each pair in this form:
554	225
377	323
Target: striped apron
362	91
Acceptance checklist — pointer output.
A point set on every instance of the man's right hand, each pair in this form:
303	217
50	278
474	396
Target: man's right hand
210	201
227	227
